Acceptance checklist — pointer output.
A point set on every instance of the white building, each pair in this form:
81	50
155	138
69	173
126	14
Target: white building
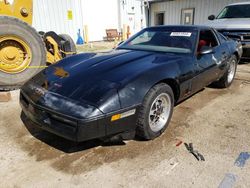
166	12
67	16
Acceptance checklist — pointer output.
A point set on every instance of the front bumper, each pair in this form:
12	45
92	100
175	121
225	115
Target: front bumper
72	128
59	124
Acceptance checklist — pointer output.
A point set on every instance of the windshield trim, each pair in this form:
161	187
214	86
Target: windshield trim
145	50
152	50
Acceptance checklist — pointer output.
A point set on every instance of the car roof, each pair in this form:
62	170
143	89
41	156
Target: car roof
241	3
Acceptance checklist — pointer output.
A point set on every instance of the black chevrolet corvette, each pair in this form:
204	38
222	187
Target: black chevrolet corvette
131	89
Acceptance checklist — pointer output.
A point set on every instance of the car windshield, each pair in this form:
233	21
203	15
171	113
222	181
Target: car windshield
236	11
169	40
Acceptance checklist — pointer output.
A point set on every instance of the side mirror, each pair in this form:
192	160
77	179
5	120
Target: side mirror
211	17
206	50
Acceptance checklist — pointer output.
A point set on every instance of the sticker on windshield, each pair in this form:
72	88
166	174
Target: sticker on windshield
181	34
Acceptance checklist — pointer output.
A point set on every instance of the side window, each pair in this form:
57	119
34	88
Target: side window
207	38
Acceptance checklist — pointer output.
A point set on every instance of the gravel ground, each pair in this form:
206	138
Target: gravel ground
216	121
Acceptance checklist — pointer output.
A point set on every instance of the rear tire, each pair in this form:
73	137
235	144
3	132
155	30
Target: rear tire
156	112
227	79
13	27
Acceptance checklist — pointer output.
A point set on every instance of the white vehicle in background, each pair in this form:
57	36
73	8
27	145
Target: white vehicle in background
234	22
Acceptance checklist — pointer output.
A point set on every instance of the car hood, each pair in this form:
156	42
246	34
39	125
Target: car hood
95	78
230	23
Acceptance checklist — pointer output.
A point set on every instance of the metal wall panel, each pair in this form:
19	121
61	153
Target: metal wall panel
99	15
203	8
53	16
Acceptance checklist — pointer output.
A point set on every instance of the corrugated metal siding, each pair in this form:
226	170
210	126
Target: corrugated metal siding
203	8
99	15
53	16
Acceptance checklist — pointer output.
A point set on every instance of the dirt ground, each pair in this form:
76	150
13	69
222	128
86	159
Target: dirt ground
216	121
97	46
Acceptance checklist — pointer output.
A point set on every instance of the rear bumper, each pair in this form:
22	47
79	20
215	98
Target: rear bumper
74	129
240	35
246	49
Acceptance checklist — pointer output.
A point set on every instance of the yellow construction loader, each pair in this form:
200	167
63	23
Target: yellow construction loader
24	51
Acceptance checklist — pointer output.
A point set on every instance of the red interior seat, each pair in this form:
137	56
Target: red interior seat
201	44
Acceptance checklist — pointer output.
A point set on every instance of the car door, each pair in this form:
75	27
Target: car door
208	66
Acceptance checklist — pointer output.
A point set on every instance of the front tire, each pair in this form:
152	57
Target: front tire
156	112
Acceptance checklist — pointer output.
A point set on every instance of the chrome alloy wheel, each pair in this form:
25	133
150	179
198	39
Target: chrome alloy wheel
159	112
231	71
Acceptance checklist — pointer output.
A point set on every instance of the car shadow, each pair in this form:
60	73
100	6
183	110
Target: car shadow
65	145
187	98
245	61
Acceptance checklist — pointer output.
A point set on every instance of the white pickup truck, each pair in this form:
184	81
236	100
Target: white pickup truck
234	22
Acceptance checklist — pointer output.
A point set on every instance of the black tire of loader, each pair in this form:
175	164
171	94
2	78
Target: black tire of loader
71	47
10	26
